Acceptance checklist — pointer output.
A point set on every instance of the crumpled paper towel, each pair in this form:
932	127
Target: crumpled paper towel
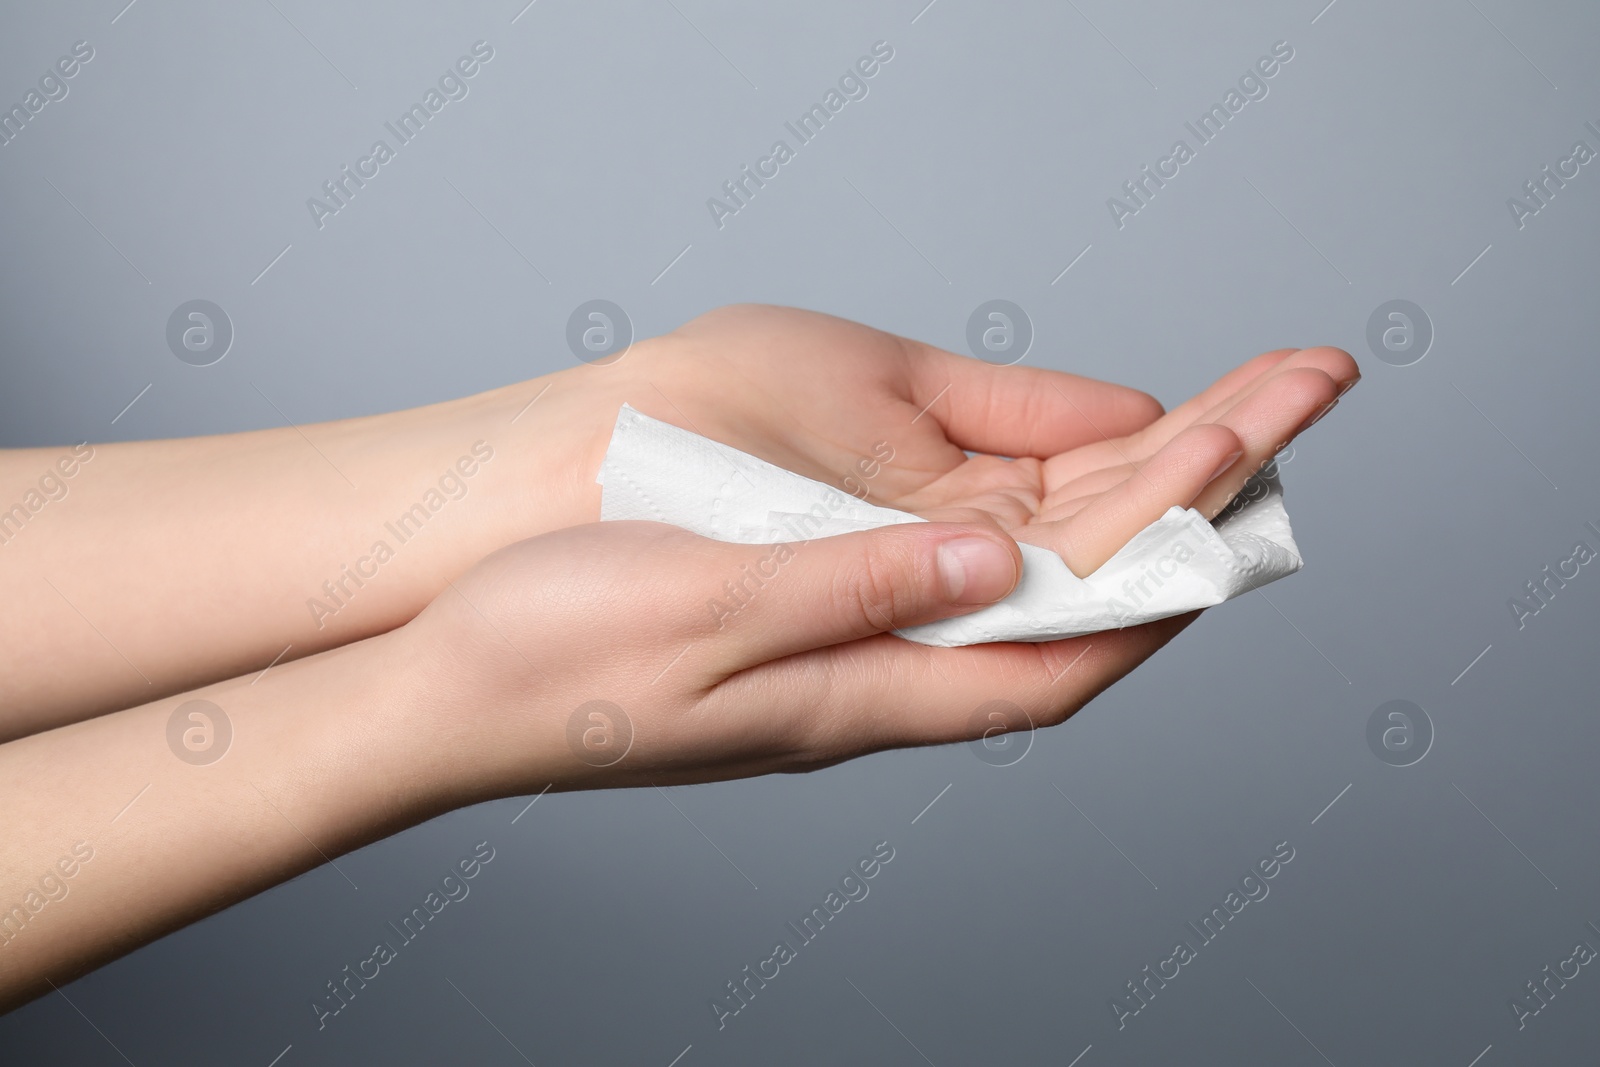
654	470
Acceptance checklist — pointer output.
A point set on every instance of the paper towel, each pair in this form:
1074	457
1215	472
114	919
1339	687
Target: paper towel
654	470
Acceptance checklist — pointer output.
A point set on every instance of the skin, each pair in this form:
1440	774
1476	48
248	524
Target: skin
454	675
220	542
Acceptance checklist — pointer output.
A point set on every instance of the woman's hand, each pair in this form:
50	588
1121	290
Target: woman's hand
629	653
601	655
1091	463
347	529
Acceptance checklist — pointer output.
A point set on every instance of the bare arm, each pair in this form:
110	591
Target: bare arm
127	826
123	827
113	839
136	570
164	565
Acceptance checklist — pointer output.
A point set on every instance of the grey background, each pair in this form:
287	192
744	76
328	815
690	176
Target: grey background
1380	163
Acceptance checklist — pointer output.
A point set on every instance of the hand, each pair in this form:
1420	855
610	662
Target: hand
800	673
328	514
478	696
1093	463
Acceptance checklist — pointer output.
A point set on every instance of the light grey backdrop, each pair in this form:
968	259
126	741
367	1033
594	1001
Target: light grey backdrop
1378	167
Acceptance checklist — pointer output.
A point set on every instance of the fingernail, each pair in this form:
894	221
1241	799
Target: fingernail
976	570
1351	384
1314	419
1230	461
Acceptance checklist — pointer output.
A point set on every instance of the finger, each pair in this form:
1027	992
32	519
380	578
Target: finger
1021	411
812	594
1336	363
1072	466
1214	404
1232	384
1173	477
1266	421
885	692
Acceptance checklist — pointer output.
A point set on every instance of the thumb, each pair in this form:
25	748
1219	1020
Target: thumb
812	594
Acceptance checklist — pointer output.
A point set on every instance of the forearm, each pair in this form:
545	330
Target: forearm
161	565
113	838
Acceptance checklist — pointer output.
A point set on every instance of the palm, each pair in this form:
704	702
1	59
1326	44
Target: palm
1093	462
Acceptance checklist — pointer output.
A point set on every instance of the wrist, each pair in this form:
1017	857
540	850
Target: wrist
547	436
454	735
338	743
439	488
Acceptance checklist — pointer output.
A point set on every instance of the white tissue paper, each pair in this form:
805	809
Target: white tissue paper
656	471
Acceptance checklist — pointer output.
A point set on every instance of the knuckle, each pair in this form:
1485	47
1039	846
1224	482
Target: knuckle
811	734
1148	407
848	721
874	587
1059	683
